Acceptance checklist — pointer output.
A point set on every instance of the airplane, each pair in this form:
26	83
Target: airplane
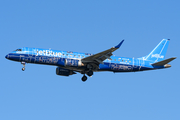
69	63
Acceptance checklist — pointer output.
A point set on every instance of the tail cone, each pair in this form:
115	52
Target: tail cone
167	66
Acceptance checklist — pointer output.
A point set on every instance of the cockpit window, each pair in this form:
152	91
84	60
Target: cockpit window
18	50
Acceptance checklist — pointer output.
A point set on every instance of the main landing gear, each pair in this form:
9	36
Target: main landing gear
24	64
84	78
89	73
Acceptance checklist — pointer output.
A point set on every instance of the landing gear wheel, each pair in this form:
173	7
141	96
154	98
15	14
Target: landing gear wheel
90	73
24	64
84	78
23	69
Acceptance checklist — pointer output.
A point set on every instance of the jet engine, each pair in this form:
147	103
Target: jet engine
64	72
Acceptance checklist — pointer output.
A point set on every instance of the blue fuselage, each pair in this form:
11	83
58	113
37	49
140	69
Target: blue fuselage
73	60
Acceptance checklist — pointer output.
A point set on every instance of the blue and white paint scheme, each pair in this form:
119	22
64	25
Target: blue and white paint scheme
69	63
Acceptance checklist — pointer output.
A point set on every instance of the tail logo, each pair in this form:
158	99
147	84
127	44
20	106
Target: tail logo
157	56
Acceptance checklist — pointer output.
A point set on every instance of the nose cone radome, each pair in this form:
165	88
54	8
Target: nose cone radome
6	57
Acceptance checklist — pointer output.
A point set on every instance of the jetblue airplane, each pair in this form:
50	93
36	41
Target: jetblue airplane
69	63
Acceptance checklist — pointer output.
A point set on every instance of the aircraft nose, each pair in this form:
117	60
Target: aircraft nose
7	56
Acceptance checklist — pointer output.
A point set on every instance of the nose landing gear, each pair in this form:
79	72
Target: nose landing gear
24	64
23	69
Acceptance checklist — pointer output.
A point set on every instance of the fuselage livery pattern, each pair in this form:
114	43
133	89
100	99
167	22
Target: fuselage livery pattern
68	63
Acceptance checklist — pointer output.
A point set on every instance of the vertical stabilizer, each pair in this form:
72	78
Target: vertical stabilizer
159	52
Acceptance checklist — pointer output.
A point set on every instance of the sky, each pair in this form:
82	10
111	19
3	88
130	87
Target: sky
89	26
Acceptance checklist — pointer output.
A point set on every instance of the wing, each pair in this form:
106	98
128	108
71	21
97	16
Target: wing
100	57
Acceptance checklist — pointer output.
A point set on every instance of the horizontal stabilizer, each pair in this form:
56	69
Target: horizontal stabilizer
164	62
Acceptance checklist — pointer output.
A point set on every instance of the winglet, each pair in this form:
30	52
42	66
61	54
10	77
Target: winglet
119	44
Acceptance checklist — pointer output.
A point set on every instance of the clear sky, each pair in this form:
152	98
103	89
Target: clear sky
89	26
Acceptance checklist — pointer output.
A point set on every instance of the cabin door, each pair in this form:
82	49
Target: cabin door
141	63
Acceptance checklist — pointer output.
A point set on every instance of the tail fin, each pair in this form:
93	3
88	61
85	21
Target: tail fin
159	52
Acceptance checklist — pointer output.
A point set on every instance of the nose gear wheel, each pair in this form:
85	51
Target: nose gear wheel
24	64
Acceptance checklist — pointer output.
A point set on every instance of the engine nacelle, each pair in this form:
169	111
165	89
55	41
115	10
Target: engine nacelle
70	62
64	72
